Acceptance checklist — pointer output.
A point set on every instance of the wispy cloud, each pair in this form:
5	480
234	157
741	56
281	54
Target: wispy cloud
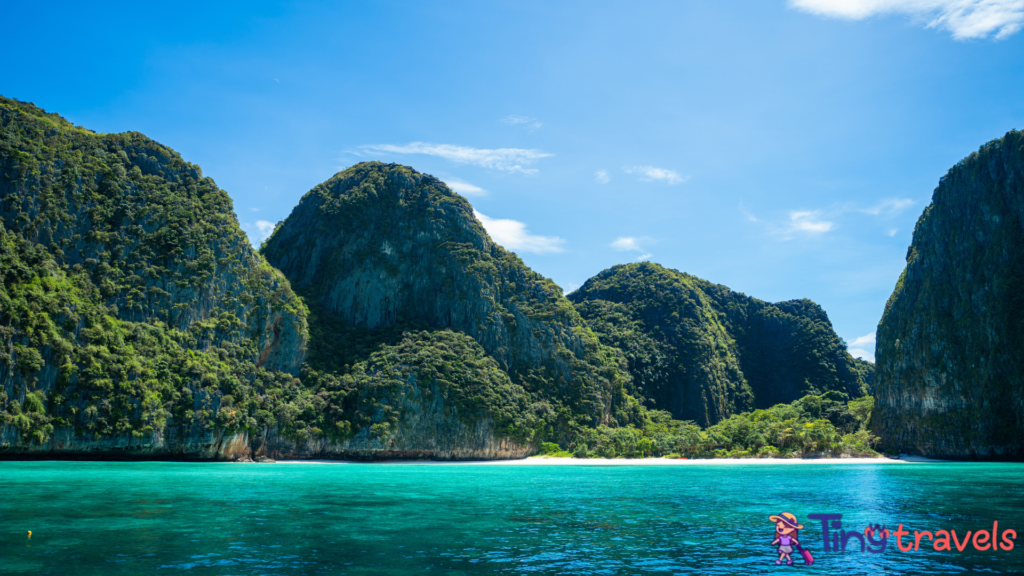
888	207
627	243
530	124
748	214
505	159
965	19
266	229
813	223
254	209
632	244
602	177
809	221
652	174
258	232
863	347
465	188
797	223
514	236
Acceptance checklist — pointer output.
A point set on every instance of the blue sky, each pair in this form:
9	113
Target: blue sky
782	148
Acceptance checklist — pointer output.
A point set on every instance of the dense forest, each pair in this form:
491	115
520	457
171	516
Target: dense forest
825	425
129	297
379	320
704	352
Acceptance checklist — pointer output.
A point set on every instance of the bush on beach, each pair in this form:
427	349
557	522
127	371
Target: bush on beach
813	426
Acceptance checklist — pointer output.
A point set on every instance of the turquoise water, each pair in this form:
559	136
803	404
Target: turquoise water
177	518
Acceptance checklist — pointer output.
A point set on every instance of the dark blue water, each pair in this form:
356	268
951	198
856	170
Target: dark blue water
174	518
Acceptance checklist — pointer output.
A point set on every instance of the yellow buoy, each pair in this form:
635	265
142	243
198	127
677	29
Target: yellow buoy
29	533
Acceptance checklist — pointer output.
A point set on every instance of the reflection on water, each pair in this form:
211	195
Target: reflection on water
155	518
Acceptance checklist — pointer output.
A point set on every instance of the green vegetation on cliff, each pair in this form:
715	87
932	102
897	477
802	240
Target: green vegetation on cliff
703	352
950	371
135	319
380	249
129	296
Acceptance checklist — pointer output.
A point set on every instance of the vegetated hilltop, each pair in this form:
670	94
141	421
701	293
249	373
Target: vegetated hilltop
134	316
403	283
137	322
703	352
950	378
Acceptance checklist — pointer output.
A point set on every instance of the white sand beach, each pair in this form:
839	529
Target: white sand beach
543	461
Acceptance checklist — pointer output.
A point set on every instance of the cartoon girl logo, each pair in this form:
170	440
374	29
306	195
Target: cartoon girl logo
787	531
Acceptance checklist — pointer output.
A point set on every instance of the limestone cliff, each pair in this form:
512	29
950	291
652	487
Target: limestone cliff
950	352
382	245
704	352
131	304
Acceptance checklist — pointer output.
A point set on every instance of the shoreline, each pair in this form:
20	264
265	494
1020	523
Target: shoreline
543	461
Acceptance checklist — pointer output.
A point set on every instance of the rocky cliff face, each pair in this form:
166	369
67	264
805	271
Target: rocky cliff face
383	245
426	425
703	352
136	321
131	304
950	366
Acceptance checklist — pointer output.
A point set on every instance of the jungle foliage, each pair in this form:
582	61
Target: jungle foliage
133	307
128	294
815	425
379	250
704	352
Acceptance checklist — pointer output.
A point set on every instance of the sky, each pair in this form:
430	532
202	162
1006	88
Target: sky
782	148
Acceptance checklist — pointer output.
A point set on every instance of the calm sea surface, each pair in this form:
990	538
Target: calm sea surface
174	518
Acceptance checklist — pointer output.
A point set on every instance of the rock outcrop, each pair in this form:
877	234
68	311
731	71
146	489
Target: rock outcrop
704	352
136	322
950	345
382	245
132	307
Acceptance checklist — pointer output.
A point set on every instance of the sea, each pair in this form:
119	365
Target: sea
107	518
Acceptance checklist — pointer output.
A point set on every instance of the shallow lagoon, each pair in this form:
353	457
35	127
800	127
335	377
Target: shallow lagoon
214	518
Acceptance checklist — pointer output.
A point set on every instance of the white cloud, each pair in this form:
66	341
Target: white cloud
627	243
631	244
651	174
254	209
602	177
889	207
809	221
259	232
514	236
569	288
530	124
863	347
862	354
266	229
801	223
963	18
506	159
465	188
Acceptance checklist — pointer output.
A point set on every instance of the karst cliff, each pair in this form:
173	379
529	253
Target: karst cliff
704	352
950	352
